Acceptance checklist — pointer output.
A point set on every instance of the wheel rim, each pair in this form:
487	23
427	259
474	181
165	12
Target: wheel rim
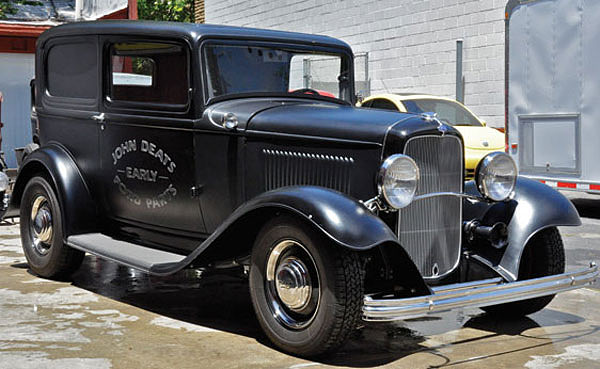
40	226
292	284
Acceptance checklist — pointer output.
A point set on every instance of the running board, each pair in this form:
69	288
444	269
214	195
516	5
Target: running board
135	256
474	294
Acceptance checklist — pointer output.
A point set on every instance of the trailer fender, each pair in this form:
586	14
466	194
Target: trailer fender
533	208
72	192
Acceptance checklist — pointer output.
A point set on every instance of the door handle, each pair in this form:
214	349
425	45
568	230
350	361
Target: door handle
100	118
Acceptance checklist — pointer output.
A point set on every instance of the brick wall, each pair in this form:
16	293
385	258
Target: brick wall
411	43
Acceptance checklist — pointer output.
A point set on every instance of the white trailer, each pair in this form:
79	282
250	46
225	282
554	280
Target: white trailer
553	91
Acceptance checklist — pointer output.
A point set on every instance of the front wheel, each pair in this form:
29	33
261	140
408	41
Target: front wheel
41	232
544	255
306	292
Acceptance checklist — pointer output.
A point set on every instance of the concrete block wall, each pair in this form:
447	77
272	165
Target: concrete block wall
411	43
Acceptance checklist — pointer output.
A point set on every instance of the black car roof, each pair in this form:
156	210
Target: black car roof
190	31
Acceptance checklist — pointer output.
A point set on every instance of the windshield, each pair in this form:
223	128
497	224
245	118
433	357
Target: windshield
448	112
239	69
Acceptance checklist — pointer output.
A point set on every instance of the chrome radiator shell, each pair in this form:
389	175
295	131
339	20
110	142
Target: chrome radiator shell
430	229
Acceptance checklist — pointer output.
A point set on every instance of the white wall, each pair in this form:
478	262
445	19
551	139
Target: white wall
411	43
16	72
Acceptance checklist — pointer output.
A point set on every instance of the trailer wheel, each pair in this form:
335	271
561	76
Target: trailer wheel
307	294
41	232
544	255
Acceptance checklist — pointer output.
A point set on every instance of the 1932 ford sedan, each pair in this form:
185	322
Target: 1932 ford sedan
169	146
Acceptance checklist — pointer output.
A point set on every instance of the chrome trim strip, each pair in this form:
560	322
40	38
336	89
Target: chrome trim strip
475	294
436	194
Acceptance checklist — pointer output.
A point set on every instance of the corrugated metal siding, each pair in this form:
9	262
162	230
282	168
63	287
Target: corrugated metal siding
15	73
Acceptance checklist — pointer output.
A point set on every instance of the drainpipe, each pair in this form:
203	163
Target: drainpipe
78	9
460	81
1	124
1	99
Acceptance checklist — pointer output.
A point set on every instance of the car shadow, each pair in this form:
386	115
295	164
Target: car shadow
587	207
223	302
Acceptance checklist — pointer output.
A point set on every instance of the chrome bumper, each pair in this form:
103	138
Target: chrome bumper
474	294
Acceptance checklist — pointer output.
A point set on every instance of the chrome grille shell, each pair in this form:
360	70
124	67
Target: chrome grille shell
431	229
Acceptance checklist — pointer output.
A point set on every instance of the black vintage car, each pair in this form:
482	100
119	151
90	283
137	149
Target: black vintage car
168	146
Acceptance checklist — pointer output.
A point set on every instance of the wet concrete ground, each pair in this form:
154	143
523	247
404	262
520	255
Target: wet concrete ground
110	316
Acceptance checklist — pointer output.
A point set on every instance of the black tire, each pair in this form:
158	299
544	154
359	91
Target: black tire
45	252
544	255
322	326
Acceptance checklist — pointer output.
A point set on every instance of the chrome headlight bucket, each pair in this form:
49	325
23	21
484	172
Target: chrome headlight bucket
496	175
397	180
4	182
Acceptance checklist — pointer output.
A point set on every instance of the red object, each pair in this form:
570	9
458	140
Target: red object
319	92
579	186
132	8
20	38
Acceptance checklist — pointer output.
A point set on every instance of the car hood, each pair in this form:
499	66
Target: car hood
327	120
482	138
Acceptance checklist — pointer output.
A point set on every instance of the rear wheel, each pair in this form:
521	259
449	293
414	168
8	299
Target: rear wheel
41	232
307	294
544	255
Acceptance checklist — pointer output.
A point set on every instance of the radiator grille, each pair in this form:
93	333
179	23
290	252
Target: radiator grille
430	229
290	168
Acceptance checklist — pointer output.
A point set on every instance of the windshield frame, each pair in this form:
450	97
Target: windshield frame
346	63
447	101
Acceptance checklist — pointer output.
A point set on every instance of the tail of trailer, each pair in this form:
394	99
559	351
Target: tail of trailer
553	91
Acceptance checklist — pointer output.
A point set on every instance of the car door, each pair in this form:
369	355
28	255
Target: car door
146	136
68	75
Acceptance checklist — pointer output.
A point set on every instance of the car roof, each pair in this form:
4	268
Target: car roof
191	31
407	96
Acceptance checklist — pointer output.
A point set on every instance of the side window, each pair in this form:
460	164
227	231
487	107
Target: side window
72	70
148	72
383	104
367	104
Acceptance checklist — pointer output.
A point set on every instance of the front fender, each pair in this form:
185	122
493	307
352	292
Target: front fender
534	207
78	209
344	220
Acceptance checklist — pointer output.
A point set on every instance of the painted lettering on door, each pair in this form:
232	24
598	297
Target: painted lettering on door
131	179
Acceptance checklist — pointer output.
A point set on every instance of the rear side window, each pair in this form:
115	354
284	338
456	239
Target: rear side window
149	72
383	104
72	70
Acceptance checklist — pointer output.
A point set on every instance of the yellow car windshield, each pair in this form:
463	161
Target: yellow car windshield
448	112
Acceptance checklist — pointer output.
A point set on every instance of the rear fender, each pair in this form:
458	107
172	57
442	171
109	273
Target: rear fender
533	208
78	209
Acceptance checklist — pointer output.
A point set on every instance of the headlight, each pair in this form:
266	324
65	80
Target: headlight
397	181
3	181
496	175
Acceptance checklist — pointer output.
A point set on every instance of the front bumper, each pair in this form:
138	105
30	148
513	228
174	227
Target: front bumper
474	294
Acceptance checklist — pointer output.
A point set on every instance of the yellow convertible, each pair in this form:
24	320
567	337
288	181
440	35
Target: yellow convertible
479	139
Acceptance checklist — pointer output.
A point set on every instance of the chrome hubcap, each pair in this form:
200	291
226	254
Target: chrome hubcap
292	285
41	225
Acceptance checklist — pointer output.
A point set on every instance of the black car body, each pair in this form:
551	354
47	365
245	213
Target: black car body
207	157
